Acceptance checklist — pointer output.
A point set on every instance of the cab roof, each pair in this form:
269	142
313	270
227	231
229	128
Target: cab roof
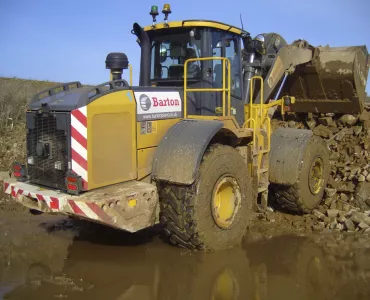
197	23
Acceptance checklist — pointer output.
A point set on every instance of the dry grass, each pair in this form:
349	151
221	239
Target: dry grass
14	94
12	147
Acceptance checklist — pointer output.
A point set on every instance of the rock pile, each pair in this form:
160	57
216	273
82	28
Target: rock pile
338	220
346	203
348	138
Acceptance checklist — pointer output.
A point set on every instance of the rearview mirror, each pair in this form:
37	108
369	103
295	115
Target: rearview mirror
221	44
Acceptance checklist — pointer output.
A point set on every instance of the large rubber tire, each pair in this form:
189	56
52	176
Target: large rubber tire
299	197
186	211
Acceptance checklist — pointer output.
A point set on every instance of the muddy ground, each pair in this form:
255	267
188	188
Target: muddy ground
53	257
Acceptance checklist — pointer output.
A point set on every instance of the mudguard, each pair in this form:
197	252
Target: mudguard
288	146
180	152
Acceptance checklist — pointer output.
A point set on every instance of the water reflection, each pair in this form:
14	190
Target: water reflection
285	267
289	267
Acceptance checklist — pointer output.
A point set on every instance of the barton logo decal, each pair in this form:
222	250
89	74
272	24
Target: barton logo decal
158	105
145	102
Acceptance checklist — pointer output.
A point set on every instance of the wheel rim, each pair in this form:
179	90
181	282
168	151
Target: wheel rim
316	180
225	202
225	286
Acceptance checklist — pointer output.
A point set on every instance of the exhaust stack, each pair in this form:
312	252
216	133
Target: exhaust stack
144	42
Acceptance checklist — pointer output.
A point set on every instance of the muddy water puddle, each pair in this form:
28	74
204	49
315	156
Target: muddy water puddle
45	258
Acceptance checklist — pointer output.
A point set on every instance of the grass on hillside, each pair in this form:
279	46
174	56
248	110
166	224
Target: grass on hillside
14	94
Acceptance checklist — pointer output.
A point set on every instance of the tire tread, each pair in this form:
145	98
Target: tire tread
177	213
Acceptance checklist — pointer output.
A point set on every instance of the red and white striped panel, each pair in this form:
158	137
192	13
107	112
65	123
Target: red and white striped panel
52	202
89	210
79	144
59	202
7	188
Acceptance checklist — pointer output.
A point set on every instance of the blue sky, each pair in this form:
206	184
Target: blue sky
68	40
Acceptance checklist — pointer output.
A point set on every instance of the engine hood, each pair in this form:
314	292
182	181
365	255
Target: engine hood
70	96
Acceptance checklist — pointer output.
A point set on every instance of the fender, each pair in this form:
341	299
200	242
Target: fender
288	146
180	152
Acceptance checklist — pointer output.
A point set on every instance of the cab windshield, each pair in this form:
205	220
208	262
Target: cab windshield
171	50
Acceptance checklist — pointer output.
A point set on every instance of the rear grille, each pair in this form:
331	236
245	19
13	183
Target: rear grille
47	145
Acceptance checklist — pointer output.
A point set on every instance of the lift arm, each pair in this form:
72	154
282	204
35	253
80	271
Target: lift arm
287	59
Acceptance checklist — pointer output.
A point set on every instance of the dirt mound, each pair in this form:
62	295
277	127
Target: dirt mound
12	147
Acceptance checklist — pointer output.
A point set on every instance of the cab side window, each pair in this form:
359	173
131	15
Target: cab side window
232	53
227	45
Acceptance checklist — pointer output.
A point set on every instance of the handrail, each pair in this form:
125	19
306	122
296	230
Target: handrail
258	111
52	90
224	89
251	93
268	133
254	127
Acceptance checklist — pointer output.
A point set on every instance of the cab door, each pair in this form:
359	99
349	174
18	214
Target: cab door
225	44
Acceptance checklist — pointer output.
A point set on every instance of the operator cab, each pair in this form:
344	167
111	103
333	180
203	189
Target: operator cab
171	47
165	48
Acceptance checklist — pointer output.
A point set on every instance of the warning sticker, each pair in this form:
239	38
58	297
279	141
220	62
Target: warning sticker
148	127
142	128
158	105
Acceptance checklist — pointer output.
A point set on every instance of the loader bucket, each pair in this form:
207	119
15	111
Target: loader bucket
334	81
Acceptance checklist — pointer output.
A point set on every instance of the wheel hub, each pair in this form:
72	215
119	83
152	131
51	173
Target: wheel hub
316	179
226	201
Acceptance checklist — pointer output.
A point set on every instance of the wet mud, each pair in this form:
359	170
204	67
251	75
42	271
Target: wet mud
53	257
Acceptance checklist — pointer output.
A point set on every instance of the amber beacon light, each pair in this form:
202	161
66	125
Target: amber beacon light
166	11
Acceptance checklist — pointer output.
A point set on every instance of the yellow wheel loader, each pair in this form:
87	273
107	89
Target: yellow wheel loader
191	147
